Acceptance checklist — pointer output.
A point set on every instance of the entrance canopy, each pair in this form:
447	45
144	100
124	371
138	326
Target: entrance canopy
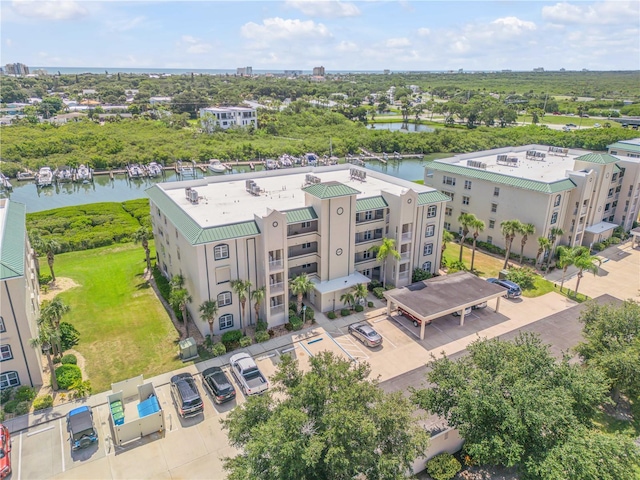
442	295
339	284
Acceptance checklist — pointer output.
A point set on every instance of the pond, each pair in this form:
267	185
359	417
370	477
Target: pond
401	127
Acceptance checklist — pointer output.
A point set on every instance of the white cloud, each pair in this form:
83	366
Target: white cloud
346	46
424	32
194	45
325	8
513	25
8	42
124	25
602	13
283	29
398	42
50	9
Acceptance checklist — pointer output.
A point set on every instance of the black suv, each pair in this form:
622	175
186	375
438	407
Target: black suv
218	385
185	395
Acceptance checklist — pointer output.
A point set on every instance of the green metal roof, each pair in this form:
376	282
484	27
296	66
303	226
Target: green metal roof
194	233
501	179
12	243
601	158
371	203
330	190
630	147
425	198
298	215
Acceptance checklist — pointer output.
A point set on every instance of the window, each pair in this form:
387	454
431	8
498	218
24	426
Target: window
554	218
618	188
496	191
489	239
494	207
467	184
614	177
426	266
367	235
451	195
430	173
5	353
9	379
366	254
557	202
622	172
492	224
614	204
306	245
221	251
431	211
449	180
430	230
448	211
2	327
447	226
224	299
178	252
428	249
176	233
305	225
226	321
465	200
611	218
610	194
368	215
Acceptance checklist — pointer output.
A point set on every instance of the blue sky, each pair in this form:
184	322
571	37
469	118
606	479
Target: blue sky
340	35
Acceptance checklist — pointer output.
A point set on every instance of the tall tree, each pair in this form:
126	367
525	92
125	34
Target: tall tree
331	422
48	247
47	337
566	257
258	296
526	229
447	237
141	236
180	298
554	235
208	311
52	312
477	226
384	251
347	298
360	292
584	261
509	229
465	220
242	288
299	286
543	245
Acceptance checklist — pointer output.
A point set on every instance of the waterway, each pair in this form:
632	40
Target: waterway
121	188
401	127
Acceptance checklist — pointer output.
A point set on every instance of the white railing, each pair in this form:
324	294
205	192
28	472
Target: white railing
405	255
275	264
406	236
277	309
276	287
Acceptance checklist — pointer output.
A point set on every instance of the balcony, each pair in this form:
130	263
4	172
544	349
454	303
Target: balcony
361	218
275	288
297	229
277	309
359	258
404	275
276	265
405	255
584	210
362	238
300	251
406	237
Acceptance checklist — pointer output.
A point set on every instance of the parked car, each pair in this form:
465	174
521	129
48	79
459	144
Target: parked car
248	375
5	452
596	125
81	428
416	321
218	385
566	129
457	313
185	395
571	125
479	306
367	335
513	289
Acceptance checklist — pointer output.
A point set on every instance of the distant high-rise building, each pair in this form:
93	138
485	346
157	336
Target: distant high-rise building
387	71
244	71
539	69
318	71
16	69
40	71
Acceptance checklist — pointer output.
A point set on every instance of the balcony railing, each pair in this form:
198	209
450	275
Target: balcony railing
360	258
406	237
362	239
276	265
405	255
584	210
277	309
276	287
299	252
404	274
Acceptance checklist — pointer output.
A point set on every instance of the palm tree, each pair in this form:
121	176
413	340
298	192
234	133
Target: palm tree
299	286
555	234
52	312
48	247
465	220
566	257
526	229
47	336
347	298
142	236
208	311
509	229
543	246
388	248
359	292
258	296
585	261
179	298
478	226
447	237
241	288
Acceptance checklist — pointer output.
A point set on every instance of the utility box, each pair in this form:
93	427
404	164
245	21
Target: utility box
502	275
188	349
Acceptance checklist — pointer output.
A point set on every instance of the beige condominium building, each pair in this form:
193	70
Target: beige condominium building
270	227
586	194
20	364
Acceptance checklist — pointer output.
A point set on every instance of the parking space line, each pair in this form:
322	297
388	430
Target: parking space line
20	456
61	445
305	348
401	325
108	441
40	431
386	339
352	343
340	347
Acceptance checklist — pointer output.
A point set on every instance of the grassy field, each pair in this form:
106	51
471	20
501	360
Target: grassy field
564	119
124	330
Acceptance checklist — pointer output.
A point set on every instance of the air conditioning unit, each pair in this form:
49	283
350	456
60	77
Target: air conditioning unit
193	196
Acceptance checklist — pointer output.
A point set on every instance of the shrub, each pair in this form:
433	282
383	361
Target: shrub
370	304
5	395
443	467
456	266
69	336
288	326
262	336
309	314
245	341
261	326
232	336
68	375
378	292
271	332
358	308
292	313
82	389
345	312
23	408
614	240
525	277
25	394
10	406
218	349
44	279
419	274
1	415
162	283
389	286
598	246
293	306
331	315
70	359
208	341
373	284
41	403
296	323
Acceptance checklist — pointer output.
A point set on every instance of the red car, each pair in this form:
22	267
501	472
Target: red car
416	321
5	451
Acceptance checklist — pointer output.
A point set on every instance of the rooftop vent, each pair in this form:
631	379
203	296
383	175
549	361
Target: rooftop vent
311	179
193	196
358	174
476	164
559	151
534	155
506	160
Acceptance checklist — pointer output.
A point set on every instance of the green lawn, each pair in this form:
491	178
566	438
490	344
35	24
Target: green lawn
124	330
564	119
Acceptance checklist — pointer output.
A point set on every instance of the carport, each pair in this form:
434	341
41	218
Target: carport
439	296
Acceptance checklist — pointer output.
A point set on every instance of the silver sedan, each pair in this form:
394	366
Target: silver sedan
365	334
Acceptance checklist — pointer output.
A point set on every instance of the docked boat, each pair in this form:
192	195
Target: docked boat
5	183
44	177
135	171
311	158
154	169
286	161
28	175
216	166
270	164
83	174
63	174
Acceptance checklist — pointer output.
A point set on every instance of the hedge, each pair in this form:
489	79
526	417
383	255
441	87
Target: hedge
41	403
262	336
70	359
218	349
68	375
443	467
245	341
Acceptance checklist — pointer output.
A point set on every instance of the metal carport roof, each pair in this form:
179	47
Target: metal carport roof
441	295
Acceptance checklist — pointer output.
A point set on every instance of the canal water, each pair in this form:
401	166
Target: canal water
401	127
121	188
